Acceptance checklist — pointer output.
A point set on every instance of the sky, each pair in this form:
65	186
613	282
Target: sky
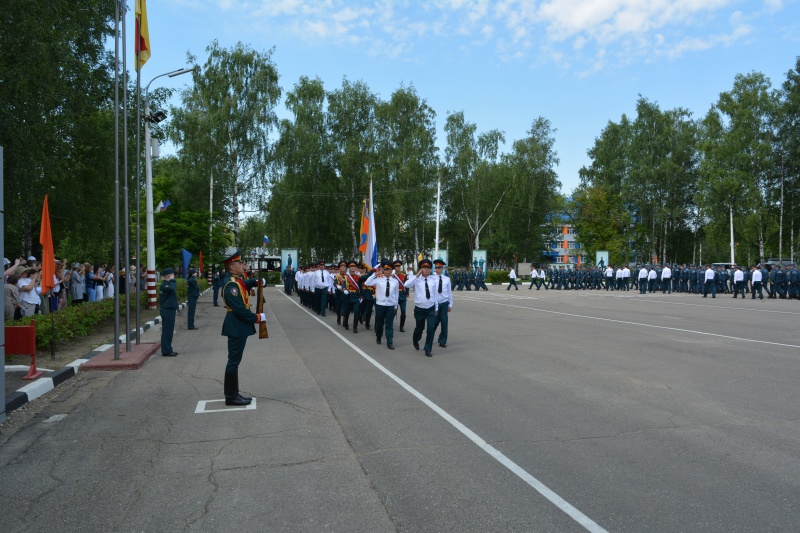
577	63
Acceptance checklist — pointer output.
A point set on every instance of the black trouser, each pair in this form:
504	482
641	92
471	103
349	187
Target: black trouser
190	315
167	329
425	319
757	287
384	322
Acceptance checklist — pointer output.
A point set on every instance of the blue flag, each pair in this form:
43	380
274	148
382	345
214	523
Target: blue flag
186	256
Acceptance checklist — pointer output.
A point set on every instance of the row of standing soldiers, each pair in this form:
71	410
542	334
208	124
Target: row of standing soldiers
779	282
469	279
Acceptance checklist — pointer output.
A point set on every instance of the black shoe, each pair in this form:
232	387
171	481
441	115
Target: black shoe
367	326
390	346
244	399
339	321
346	325
443	345
193	327
323	314
428	353
235	400
378	340
355	327
403	330
416	345
171	354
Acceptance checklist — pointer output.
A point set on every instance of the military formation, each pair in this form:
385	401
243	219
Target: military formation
353	290
774	281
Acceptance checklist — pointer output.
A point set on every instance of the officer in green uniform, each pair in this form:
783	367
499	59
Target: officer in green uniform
169	306
238	325
193	292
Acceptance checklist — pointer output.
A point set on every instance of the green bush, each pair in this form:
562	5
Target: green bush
497	276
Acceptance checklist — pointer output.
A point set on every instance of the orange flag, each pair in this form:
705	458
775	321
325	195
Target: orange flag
201	263
48	256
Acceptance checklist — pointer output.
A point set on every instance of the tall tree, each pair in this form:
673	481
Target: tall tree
56	122
225	122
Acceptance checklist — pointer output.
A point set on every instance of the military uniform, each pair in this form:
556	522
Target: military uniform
424	307
351	298
238	325
169	307
443	295
216	284
402	296
193	293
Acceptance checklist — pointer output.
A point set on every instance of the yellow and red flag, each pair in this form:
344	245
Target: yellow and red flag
142	34
48	256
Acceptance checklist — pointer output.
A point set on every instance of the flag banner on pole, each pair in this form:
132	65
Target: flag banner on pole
266	240
200	261
163	205
48	256
362	247
186	256
142	34
371	255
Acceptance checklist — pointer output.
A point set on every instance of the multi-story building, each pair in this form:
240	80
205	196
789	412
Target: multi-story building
565	250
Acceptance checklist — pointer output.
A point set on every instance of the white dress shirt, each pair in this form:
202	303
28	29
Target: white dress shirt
666	273
446	296
643	273
417	283
709	276
652	274
738	276
756	275
380	289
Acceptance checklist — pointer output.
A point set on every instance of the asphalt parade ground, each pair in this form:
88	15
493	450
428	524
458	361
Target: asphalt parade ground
547	411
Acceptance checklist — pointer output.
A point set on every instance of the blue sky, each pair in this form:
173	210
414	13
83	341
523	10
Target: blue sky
578	63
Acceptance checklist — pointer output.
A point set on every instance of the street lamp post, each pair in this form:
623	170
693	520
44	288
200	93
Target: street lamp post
148	170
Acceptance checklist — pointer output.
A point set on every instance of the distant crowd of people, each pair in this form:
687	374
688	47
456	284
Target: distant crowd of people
74	284
777	281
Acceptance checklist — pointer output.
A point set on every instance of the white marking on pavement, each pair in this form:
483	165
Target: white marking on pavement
202	407
634	323
517	470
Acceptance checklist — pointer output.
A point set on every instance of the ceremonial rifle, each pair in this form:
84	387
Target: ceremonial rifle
262	326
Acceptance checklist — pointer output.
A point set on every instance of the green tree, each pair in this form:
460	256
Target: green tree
56	124
224	124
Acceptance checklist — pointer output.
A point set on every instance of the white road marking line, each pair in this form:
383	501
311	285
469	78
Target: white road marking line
635	323
517	470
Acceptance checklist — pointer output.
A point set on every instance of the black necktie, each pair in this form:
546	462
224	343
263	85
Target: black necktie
322	275
387	287
440	284
427	291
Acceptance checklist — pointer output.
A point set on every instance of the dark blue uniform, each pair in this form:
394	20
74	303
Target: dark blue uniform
169	306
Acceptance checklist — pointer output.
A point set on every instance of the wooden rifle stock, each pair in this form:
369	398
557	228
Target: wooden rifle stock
262	326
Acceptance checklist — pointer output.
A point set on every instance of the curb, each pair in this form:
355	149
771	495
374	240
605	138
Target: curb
42	386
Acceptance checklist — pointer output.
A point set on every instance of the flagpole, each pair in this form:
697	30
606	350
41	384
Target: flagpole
438	196
128	290
125	169
116	172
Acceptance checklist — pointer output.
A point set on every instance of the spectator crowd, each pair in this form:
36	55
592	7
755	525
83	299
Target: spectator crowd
74	284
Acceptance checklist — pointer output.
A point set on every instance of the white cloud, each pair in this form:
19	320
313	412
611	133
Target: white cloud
588	35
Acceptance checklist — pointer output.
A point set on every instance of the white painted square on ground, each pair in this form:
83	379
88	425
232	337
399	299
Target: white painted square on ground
218	406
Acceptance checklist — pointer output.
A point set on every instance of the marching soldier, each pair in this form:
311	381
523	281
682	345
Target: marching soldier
402	293
367	297
238	325
351	296
424	305
443	295
338	281
386	287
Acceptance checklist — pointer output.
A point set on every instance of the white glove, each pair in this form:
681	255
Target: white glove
339	287
346	291
263	282
262	317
